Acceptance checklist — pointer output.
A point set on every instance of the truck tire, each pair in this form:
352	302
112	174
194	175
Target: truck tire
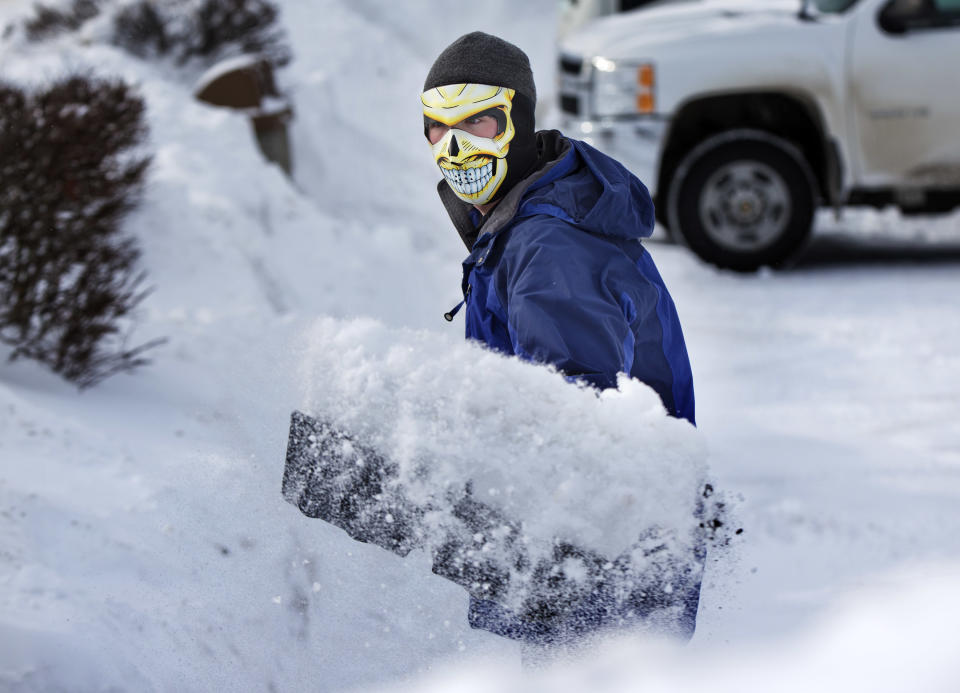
743	199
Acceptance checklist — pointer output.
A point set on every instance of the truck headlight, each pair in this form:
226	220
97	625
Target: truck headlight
621	88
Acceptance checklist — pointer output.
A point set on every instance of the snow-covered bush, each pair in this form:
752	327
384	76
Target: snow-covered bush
207	30
250	25
48	21
69	172
141	29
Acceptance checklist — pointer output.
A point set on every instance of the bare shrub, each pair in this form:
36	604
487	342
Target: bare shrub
69	173
48	21
141	29
206	30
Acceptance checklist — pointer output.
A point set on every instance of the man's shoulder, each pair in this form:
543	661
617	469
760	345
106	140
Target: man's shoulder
545	238
545	227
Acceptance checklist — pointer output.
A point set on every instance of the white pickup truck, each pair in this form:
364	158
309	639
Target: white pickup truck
742	117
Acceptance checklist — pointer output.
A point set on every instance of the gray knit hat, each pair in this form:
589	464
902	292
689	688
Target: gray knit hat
479	58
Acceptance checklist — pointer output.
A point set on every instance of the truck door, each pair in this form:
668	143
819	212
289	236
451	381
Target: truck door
904	101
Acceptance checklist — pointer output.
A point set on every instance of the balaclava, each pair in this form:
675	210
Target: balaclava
482	74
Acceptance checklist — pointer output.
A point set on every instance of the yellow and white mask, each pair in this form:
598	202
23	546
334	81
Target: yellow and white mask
474	166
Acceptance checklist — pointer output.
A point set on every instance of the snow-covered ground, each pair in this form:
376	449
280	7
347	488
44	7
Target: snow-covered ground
144	544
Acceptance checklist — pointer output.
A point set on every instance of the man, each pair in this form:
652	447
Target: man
556	272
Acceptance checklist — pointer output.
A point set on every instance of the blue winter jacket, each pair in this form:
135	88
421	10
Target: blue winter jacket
557	275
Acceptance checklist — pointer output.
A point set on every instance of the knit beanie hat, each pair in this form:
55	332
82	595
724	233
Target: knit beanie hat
479	58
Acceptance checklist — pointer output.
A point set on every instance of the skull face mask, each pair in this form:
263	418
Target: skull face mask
474	167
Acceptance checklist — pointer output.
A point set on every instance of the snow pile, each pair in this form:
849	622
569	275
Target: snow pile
592	469
897	635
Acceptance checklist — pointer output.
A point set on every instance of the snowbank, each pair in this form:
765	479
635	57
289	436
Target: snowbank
897	635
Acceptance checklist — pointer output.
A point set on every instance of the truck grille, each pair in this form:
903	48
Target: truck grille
570	104
570	65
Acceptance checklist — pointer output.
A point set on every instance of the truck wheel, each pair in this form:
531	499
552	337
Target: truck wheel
743	199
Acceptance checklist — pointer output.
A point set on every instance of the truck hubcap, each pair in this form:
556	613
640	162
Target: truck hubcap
745	206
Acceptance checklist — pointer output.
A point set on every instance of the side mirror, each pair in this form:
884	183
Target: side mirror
892	19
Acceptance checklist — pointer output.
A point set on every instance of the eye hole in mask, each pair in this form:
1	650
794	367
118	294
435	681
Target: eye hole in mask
429	124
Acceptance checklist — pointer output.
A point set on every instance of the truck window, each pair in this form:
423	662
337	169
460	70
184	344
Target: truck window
627	5
834	6
912	15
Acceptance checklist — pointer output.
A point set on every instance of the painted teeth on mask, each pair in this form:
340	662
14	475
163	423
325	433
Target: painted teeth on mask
469	181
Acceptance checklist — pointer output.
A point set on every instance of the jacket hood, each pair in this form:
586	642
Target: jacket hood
574	182
596	193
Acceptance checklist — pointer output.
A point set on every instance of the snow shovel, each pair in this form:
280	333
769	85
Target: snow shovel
332	476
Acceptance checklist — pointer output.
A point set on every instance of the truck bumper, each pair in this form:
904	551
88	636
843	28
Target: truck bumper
637	143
